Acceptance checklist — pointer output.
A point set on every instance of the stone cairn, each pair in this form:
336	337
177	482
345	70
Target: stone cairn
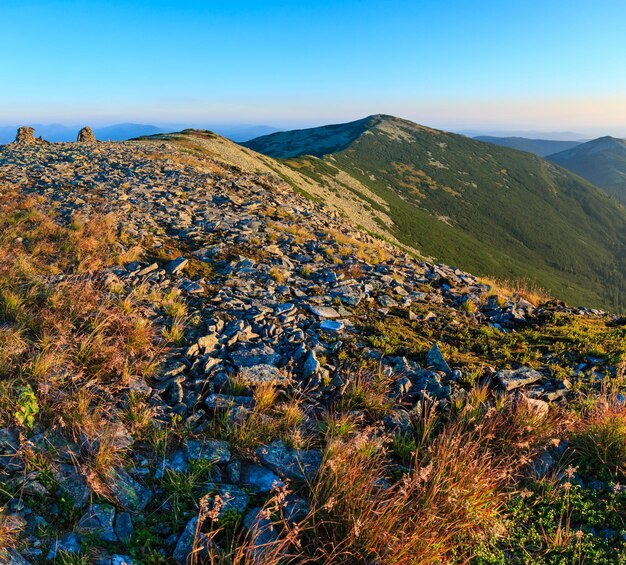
25	136
86	135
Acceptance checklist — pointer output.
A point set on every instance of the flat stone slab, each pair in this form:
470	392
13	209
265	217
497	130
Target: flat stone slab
176	265
262	373
229	498
325	312
263	355
224	401
290	463
214	450
511	379
331	326
131	495
260	478
98	520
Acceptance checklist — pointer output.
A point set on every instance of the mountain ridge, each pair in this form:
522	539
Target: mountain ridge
489	209
540	147
601	161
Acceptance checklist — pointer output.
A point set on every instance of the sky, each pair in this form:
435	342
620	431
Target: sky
546	65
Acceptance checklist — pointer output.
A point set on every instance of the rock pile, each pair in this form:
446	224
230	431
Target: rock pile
86	135
25	136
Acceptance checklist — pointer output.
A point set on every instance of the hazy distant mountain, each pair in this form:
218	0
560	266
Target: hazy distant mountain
541	147
241	133
528	134
50	132
60	132
486	208
121	132
124	131
601	161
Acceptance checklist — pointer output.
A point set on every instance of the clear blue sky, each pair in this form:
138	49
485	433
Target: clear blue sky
525	64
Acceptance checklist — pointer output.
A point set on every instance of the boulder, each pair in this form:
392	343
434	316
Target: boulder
86	135
511	379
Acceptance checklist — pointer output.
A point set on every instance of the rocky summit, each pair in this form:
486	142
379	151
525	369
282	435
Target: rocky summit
202	364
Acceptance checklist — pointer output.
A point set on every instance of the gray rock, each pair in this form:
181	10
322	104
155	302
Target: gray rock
331	326
262	536
223	401
543	464
124	527
311	365
295	509
131	495
233	471
214	450
539	407
324	312
208	343
122	560
511	379
69	543
10	556
436	361
147	270
86	135
259	478
191	542
175	463
25	136
386	301
290	463
263	355
229	498
98	520
72	483
176	266
258	374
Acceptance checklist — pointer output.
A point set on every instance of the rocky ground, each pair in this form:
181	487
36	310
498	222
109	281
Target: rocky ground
276	312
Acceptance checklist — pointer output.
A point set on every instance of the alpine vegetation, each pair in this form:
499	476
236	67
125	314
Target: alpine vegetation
202	361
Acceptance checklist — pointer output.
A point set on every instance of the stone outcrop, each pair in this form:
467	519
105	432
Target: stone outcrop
86	135
25	136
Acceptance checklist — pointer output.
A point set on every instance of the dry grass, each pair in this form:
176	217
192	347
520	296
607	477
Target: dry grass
449	502
348	246
522	288
599	439
278	275
69	345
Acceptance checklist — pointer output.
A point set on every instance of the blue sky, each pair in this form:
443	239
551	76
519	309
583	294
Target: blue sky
483	64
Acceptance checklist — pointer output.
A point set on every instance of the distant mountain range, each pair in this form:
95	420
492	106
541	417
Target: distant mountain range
601	161
124	131
526	134
541	147
485	208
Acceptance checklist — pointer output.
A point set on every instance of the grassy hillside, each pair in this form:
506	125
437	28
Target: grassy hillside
488	209
601	161
540	147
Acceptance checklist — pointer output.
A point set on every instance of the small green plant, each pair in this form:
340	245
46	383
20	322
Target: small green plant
27	407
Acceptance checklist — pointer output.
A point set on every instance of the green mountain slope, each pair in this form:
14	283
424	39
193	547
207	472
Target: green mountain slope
541	147
488	209
601	161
